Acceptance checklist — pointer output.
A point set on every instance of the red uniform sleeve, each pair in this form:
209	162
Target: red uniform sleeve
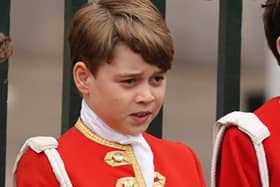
34	170
237	165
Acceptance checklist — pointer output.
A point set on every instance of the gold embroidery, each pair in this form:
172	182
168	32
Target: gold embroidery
127	148
131	182
116	158
87	132
159	180
136	168
127	182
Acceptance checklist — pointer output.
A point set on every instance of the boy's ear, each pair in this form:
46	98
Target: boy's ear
278	44
81	75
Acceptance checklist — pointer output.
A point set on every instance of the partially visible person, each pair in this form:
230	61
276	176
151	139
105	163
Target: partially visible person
249	148
5	47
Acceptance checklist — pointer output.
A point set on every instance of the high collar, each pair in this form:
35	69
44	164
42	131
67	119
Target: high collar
140	146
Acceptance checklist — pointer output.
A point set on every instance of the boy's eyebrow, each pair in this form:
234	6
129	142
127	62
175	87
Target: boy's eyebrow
124	74
159	72
129	74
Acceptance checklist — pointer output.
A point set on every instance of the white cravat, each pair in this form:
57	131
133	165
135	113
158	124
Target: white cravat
140	147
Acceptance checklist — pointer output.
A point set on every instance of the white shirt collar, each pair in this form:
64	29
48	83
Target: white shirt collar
140	146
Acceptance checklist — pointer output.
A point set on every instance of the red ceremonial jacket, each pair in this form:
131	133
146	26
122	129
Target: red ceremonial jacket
237	166
92	161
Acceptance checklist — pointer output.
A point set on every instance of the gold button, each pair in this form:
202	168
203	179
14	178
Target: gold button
127	182
118	157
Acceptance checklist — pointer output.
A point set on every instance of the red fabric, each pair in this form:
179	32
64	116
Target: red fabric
33	173
176	162
84	162
238	163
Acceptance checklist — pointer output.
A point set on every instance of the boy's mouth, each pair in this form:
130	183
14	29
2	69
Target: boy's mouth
140	116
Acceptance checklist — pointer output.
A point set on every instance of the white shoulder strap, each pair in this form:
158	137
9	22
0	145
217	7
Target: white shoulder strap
47	145
250	124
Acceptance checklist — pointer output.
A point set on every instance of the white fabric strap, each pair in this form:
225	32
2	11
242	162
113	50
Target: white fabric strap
250	124
58	167
215	155
48	145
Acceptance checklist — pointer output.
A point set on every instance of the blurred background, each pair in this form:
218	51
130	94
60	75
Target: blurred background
35	72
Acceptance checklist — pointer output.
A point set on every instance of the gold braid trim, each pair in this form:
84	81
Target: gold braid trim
127	148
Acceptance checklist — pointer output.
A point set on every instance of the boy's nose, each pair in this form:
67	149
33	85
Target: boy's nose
145	96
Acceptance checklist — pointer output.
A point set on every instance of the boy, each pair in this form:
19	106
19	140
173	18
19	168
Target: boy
121	51
249	153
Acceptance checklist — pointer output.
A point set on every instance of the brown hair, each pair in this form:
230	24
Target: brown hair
271	19
6	48
99	26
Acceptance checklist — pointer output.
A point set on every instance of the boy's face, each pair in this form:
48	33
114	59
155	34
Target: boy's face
127	93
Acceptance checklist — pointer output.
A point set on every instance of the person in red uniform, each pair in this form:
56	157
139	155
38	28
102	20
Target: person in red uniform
237	164
121	51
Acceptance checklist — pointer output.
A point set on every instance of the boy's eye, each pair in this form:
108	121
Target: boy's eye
157	79
128	82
